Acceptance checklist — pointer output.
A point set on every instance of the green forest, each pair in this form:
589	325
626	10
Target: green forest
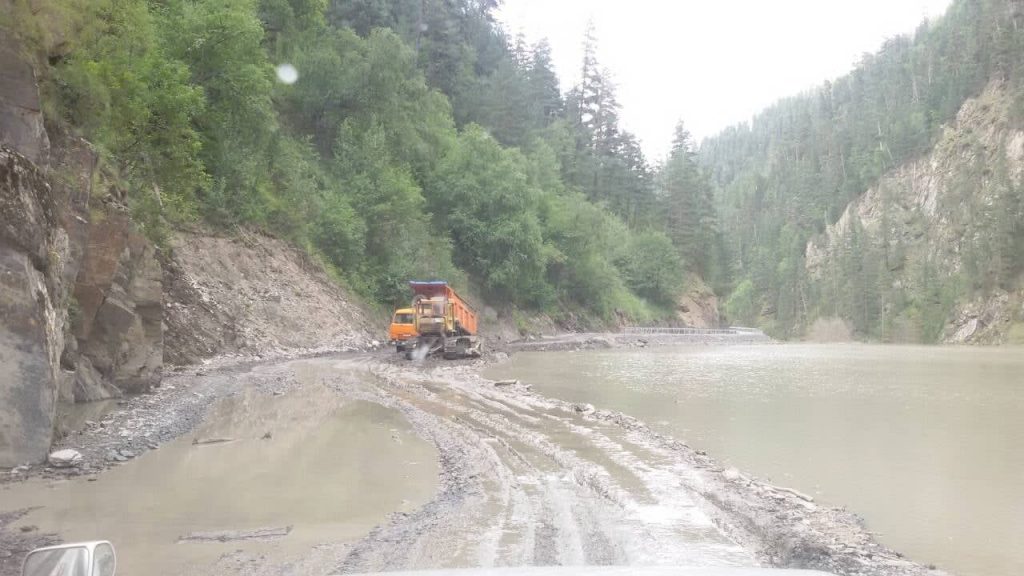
782	178
419	141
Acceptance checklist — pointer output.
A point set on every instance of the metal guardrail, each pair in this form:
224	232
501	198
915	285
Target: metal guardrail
745	330
732	330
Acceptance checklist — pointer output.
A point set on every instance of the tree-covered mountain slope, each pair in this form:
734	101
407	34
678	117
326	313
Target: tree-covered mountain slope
935	114
417	140
944	228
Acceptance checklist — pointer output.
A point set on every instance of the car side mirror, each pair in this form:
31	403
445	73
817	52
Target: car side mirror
78	559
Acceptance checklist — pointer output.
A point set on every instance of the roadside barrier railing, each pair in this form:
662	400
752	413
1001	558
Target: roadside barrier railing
732	330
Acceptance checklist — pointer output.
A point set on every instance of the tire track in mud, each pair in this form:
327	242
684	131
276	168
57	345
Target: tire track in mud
524	482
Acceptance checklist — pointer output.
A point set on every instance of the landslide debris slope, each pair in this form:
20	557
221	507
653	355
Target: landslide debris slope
254	295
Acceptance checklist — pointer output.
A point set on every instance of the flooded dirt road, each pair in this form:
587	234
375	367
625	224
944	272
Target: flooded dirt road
924	442
322	467
365	463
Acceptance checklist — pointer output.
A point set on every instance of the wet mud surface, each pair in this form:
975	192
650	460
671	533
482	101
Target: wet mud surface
454	471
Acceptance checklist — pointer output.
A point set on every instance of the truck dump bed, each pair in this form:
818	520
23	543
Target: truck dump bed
464	314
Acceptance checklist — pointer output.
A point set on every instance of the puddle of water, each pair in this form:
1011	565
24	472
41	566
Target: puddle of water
332	469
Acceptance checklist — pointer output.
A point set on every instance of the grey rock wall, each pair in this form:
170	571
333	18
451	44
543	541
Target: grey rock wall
61	252
32	249
120	299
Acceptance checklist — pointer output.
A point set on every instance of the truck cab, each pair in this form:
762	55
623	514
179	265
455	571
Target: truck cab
402	332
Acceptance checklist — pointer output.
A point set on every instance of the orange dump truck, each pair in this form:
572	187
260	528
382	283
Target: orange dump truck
445	324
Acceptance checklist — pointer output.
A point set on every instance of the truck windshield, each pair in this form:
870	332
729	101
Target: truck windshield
403	318
431	309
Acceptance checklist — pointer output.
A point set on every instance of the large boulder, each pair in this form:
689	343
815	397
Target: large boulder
32	250
65	458
88	385
120	305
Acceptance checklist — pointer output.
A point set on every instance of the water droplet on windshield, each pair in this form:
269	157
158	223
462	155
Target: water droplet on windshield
287	74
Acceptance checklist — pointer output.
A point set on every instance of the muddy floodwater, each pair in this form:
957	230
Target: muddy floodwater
927	444
328	468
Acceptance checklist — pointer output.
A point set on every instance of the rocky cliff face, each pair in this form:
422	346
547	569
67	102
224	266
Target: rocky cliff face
114	295
120	306
32	251
89	308
81	301
940	211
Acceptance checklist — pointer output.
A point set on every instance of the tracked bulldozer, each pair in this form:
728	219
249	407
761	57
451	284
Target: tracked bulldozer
445	324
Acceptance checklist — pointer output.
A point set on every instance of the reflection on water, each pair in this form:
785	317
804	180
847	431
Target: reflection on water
926	443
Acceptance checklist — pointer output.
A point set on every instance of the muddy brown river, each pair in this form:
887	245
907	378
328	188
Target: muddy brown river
926	443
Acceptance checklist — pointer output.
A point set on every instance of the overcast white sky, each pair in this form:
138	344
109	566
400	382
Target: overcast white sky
711	63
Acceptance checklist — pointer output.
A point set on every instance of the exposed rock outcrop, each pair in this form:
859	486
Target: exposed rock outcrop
82	299
32	251
82	313
49	252
939	212
88	385
698	307
60	254
988	319
120	305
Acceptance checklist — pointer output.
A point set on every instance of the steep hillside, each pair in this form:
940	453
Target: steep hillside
391	151
394	153
875	137
254	295
91	307
946	225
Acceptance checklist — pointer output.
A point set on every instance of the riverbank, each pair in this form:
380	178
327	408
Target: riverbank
523	479
637	339
918	440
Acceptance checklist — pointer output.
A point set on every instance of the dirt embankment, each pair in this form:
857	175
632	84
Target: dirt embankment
254	296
